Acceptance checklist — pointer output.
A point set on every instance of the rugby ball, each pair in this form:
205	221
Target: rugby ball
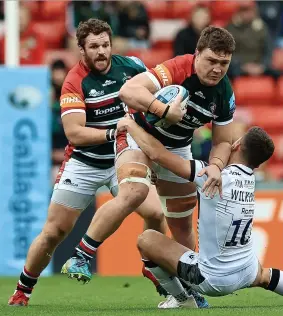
167	95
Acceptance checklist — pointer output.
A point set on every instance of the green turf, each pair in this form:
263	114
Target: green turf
126	296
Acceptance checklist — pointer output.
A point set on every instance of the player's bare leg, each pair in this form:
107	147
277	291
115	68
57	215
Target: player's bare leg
163	256
150	210
270	279
60	222
179	200
133	176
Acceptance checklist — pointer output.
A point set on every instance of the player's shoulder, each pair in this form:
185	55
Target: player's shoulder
129	61
77	73
182	62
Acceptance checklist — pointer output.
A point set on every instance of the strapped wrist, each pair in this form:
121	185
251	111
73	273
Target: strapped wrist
110	134
158	108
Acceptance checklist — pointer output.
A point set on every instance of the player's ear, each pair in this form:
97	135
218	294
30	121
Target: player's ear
82	51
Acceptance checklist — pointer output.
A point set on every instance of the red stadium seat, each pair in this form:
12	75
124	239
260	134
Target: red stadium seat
277	58
278	142
268	117
156	9
52	11
68	57
53	33
279	91
223	10
152	57
162	44
180	9
254	90
275	170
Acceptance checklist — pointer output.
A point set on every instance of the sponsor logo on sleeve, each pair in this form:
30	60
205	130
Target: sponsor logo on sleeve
163	74
71	100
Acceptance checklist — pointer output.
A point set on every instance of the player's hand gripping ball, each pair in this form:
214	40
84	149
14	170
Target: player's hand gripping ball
167	95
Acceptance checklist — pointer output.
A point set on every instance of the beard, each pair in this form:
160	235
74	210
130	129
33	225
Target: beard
91	63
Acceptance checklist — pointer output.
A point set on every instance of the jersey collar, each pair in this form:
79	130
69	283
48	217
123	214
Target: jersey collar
243	168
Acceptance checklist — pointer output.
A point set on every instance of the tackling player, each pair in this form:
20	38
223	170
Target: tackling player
226	261
91	109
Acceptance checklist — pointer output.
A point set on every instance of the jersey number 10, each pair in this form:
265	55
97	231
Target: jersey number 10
243	238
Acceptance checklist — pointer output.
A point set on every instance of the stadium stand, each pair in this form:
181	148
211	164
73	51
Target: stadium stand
260	97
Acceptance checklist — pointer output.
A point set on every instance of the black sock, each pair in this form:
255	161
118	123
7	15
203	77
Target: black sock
276	281
87	248
27	282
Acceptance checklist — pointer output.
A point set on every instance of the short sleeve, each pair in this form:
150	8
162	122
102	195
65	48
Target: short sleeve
196	167
228	105
72	98
173	71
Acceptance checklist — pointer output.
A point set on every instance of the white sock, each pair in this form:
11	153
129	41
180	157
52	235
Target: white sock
170	283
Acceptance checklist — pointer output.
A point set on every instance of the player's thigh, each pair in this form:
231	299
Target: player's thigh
60	220
220	285
160	249
178	201
151	207
177	195
77	183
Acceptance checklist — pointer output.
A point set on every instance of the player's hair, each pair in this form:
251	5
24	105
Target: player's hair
94	26
217	39
257	146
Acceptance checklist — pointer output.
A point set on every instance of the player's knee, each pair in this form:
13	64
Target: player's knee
144	239
154	214
53	234
132	195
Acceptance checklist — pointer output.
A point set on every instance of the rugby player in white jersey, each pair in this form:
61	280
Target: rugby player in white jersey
226	261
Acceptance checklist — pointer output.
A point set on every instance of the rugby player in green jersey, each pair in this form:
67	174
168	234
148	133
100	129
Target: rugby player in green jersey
91	109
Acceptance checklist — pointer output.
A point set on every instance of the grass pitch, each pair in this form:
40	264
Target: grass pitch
60	296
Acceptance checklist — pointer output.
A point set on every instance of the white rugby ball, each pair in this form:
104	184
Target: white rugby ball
167	95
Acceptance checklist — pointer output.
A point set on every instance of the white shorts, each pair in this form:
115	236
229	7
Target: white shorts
213	285
77	183
162	173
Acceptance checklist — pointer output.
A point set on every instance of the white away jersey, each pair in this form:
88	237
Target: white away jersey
224	225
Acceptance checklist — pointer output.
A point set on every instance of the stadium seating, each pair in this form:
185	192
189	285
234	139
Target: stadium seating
275	170
254	90
268	117
68	57
156	9
278	141
53	32
222	11
180	9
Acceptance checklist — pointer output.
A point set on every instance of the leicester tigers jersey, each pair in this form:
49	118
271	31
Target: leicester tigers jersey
97	96
206	103
224	225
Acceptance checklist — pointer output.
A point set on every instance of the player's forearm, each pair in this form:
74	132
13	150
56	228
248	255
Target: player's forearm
87	136
220	154
141	99
148	144
158	153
